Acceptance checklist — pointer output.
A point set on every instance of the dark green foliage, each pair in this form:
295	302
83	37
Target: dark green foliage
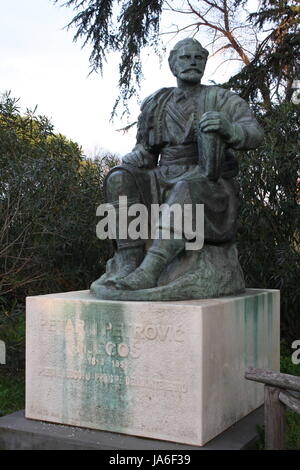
269	238
293	430
275	11
12	393
48	200
12	332
268	79
114	25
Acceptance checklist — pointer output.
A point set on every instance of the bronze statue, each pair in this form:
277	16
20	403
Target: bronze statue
184	155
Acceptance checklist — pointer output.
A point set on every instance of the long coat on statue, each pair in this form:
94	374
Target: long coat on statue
168	143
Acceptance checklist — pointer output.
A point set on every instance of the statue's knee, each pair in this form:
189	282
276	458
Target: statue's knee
116	178
180	193
118	183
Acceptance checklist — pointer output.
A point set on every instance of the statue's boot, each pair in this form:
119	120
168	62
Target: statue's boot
157	258
124	262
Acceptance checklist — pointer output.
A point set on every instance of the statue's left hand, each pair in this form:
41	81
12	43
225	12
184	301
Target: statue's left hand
215	121
140	158
134	159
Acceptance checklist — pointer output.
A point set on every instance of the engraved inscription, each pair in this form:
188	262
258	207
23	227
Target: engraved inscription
95	340
123	350
149	332
150	383
135	331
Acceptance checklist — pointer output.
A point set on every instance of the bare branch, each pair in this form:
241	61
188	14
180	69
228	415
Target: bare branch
176	10
214	5
179	30
227	60
227	46
226	17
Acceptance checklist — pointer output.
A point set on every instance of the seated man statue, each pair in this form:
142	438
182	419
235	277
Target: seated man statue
183	156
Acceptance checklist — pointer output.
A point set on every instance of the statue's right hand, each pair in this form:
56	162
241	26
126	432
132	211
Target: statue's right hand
134	159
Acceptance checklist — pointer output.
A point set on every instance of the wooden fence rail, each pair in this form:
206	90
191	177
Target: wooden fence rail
281	391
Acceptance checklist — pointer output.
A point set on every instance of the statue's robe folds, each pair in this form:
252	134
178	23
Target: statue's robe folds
168	145
167	141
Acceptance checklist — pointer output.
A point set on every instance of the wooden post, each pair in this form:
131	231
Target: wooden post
274	419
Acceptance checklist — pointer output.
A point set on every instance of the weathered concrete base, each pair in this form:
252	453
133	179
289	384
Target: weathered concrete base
164	370
18	433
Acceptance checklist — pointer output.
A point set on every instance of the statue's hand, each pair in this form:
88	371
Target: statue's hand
215	121
133	158
140	158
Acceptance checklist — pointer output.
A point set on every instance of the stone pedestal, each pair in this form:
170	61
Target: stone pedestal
163	370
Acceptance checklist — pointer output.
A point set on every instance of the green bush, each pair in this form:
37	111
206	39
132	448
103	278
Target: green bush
269	245
12	394
48	199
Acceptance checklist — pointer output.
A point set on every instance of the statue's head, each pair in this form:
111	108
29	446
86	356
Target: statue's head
187	60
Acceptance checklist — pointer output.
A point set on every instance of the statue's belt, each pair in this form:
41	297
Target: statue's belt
179	155
178	161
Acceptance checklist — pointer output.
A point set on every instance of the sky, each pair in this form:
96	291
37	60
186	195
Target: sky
41	65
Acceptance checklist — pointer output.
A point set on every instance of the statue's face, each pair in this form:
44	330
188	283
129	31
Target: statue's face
190	64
